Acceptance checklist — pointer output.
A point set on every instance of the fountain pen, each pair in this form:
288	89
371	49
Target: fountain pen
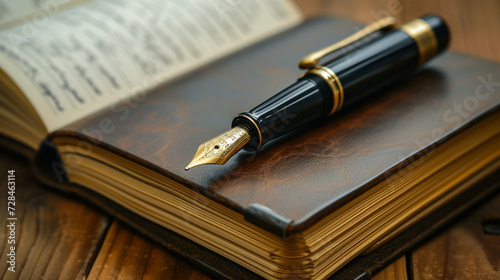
355	69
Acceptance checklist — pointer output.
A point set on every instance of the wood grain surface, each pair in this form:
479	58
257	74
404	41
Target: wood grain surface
468	250
59	237
126	255
395	271
55	236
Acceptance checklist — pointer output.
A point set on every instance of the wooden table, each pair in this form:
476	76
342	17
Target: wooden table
62	237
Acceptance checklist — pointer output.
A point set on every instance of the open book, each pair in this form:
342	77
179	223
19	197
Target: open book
359	188
79	60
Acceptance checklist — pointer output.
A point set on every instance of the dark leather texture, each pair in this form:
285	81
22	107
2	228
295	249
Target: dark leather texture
308	174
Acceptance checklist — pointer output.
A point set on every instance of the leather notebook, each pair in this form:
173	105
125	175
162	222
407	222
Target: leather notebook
381	177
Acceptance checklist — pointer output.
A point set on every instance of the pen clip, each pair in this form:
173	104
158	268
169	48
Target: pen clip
311	60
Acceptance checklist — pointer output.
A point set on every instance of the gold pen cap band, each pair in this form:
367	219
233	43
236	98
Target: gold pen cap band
424	37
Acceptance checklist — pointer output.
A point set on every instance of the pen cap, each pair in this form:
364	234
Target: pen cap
431	35
440	29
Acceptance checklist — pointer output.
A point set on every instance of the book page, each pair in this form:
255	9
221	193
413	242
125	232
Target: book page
18	11
89	57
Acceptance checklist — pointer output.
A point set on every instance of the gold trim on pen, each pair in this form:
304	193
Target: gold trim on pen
256	127
424	36
333	82
311	60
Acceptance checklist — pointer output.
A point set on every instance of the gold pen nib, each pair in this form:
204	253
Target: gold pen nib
221	148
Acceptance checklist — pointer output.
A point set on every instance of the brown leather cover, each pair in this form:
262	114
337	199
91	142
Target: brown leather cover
303	177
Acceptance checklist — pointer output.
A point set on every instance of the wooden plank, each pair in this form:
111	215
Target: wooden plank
473	25
464	251
128	255
394	271
55	236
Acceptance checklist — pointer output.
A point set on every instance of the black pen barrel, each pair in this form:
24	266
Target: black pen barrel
334	85
305	101
388	59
